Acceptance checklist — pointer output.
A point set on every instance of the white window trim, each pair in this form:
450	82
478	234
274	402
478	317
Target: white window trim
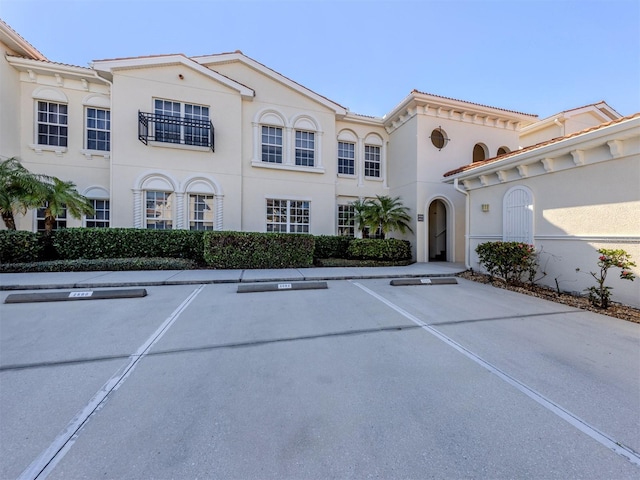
45	97
179	146
286	199
303	122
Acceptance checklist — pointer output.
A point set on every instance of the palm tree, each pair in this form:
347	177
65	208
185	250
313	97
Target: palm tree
360	215
387	214
61	195
19	190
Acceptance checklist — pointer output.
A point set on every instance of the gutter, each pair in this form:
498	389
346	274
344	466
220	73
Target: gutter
467	223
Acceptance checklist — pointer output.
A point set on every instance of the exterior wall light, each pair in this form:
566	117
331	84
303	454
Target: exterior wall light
485	207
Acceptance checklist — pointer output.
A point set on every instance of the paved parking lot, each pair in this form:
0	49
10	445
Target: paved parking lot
359	380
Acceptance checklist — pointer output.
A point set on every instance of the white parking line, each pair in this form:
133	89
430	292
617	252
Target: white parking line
44	464
561	412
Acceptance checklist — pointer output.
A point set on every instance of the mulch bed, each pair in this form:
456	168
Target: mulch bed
616	310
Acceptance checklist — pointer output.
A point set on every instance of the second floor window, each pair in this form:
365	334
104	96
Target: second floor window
52	124
272	144
98	129
371	161
305	148
176	122
346	158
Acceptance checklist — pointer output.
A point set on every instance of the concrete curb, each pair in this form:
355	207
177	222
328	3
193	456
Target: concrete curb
157	283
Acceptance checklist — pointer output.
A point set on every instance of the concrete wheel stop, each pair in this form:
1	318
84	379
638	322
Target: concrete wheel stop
279	287
424	281
77	295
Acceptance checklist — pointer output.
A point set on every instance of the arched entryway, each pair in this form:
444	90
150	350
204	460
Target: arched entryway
437	231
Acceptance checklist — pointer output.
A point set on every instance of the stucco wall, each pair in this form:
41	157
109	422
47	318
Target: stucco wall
575	212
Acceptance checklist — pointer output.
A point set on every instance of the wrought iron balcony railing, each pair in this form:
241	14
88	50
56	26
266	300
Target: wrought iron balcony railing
169	129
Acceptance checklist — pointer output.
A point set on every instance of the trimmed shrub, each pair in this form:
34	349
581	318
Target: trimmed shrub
510	261
20	246
390	249
258	250
331	246
93	243
111	264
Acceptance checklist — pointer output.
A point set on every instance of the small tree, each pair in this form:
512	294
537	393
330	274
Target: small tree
60	195
385	214
360	215
20	190
600	295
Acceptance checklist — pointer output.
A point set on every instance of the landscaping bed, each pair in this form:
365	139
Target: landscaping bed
616	310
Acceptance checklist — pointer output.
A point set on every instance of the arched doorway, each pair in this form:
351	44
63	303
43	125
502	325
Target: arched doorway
437	231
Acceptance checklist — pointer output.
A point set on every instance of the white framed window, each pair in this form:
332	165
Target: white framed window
98	129
201	211
288	216
60	222
271	144
305	148
100	218
182	123
159	210
52	124
346	158
346	221
372	161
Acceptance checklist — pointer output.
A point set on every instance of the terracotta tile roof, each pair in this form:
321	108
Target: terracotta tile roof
49	62
35	50
500	158
473	103
140	57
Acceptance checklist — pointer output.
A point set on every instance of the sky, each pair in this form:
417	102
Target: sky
532	56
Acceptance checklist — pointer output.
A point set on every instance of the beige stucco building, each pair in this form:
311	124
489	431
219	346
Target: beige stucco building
224	142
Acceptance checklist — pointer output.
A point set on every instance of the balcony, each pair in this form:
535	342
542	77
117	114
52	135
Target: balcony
177	130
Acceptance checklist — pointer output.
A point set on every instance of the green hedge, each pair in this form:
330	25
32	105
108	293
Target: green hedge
110	264
20	246
376	249
331	246
91	243
258	250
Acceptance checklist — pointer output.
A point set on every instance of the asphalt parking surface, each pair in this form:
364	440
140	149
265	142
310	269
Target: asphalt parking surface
359	380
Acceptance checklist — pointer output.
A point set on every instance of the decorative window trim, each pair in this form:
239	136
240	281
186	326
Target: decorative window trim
304	123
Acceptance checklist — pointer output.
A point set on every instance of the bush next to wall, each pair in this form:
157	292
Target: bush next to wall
390	249
510	261
328	246
258	250
19	246
94	243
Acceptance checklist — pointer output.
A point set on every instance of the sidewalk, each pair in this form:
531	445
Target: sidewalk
54	280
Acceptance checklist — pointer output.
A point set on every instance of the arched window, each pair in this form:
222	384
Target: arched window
204	204
517	211
479	152
155	202
503	150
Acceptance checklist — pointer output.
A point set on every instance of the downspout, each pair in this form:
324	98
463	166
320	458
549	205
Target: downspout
467	223
108	82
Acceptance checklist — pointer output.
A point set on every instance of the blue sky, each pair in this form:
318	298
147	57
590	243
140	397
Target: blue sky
539	56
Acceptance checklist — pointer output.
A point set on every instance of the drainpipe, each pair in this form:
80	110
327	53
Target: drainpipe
467	223
111	143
